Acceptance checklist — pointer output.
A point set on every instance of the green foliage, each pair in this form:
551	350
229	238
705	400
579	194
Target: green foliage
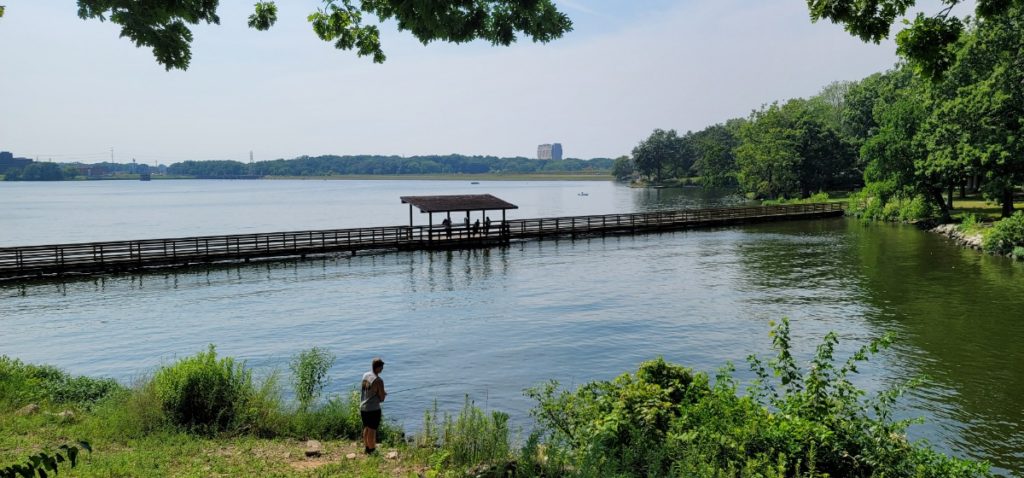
926	42
1018	253
22	383
716	158
337	418
623	168
663	151
204	394
968	223
1006	235
264	16
369	165
36	171
818	197
471	438
43	463
309	374
165	26
667	421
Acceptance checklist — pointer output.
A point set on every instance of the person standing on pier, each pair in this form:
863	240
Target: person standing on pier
487	225
476	228
371	393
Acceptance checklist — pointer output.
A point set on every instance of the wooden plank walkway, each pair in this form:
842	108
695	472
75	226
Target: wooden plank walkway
103	257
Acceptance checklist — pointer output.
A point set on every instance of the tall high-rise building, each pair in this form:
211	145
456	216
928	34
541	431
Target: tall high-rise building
544	151
556	151
550	151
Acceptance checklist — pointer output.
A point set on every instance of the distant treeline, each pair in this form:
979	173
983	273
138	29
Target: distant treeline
373	165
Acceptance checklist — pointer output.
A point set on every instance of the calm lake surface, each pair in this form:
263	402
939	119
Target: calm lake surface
489	323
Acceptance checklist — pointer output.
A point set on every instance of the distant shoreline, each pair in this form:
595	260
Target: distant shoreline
457	177
378	177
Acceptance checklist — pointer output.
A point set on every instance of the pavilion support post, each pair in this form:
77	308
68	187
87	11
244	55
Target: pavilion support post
410	215
430	227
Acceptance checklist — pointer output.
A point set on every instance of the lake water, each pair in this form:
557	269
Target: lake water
491	322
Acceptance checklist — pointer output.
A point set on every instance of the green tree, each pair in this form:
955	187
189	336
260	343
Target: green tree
929	40
165	26
716	158
661	150
767	157
791	149
975	128
37	172
622	169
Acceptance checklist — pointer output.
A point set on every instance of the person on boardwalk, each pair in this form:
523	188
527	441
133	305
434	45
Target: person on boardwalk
476	228
371	393
447	227
487	225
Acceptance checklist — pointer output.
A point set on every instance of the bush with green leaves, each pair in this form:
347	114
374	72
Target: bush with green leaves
1006	234
202	393
877	202
667	421
21	383
309	374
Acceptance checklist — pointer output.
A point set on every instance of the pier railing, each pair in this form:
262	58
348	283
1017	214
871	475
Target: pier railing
94	257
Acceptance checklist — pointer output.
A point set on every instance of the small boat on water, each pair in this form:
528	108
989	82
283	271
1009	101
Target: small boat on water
583	194
475	182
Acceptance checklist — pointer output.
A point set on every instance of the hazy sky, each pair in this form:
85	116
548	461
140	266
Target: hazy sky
71	89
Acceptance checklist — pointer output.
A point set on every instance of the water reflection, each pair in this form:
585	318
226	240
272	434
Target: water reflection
961	316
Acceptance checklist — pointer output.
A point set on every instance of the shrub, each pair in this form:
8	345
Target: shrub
21	383
1006	234
309	374
790	422
1018	253
202	393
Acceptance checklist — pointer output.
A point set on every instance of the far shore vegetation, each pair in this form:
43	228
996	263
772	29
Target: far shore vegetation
208	415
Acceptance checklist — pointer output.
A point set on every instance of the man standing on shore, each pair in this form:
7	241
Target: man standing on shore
371	393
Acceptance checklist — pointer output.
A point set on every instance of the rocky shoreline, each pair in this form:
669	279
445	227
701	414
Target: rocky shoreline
952	231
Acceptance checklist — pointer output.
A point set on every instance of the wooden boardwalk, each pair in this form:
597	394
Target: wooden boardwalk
103	257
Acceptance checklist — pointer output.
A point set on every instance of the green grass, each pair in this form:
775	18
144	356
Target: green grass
981	208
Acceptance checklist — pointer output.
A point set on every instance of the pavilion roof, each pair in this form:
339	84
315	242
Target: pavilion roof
462	202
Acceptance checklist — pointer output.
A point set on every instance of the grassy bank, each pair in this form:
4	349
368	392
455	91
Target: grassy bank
208	416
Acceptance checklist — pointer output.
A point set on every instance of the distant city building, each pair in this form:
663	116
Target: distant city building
9	162
544	151
550	151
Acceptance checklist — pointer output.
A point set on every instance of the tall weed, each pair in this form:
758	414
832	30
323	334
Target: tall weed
309	374
471	438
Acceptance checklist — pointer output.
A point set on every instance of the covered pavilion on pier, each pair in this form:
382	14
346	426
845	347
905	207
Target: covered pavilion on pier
465	203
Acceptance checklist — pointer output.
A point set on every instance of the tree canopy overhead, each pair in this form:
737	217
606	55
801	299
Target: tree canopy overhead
929	40
164	26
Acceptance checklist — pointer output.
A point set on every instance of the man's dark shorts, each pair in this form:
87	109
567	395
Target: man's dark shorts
371	419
